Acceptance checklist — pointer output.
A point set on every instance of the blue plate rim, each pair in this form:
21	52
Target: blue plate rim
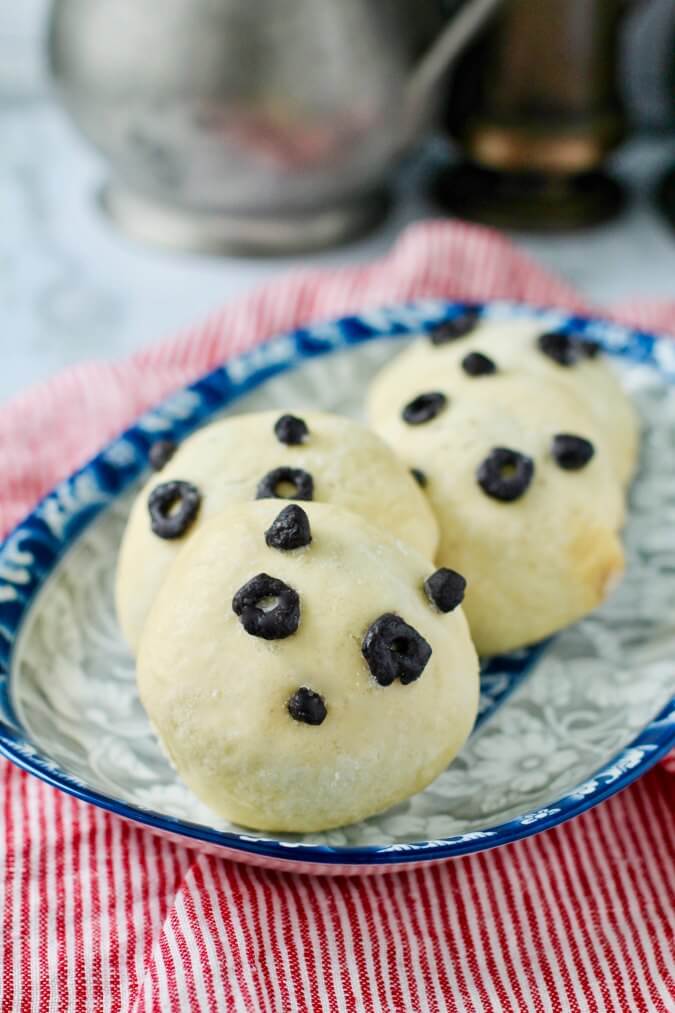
56	522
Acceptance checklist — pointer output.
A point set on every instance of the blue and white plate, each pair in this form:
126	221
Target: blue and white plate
562	726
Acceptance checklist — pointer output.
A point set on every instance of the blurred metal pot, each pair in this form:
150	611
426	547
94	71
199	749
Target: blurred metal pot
252	125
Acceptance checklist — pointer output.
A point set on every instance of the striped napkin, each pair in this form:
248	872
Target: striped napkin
101	916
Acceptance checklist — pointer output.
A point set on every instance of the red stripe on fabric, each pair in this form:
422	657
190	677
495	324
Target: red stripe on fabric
324	910
310	889
268	885
77	923
147	1000
125	931
57	853
202	920
663	795
210	341
190	966
654	839
9	776
503	949
474	933
162	882
516	924
242	895
219	879
253	945
489	920
93	928
661	821
563	894
449	944
374	952
114	897
26	935
134	986
70	935
307	932
329	978
563	983
391	920
262	925
19	910
389	976
351	943
659	874
439	932
157	971
539	971
589	920
302	306
490	974
134	965
42	942
600	908
417	980
146	849
297	948
83	895
445	883
172	971
626	935
126	891
421	934
229	965
639	904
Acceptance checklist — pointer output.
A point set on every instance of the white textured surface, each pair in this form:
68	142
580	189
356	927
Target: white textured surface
72	287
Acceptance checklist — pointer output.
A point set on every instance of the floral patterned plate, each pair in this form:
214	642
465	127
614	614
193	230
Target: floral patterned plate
562	726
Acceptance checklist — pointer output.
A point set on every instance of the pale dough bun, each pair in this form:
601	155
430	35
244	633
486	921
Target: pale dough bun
543	560
218	696
350	466
512	346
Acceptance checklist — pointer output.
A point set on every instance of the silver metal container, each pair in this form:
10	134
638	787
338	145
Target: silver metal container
251	125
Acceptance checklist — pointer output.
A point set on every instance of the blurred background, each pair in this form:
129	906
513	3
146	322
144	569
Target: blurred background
155	164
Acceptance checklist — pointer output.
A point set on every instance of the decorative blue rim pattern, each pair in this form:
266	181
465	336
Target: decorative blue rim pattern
31	552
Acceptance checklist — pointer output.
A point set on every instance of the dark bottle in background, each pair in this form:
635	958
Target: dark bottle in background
535	107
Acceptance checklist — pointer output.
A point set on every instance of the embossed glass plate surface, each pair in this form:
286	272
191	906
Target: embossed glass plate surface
561	727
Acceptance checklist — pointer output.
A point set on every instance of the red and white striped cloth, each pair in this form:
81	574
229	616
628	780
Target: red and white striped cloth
101	916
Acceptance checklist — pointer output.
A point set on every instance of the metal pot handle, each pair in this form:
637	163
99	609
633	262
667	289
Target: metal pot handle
460	29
